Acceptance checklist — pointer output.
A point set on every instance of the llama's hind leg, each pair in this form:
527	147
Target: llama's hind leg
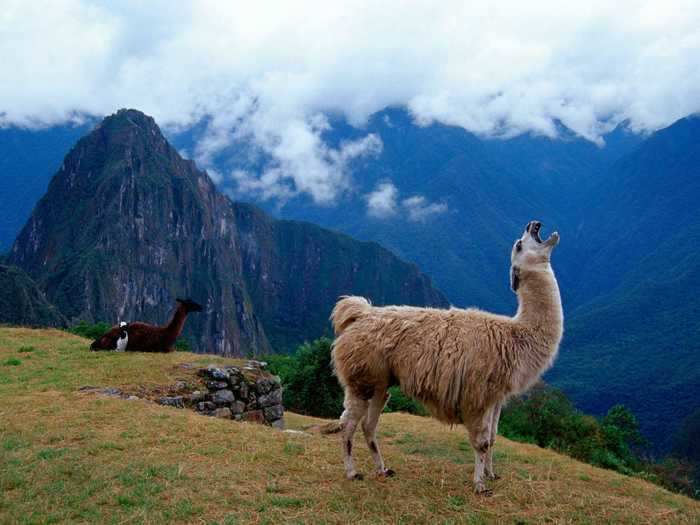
480	439
495	417
355	410
369	428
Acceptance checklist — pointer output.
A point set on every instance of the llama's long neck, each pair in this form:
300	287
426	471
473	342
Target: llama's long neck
174	327
539	306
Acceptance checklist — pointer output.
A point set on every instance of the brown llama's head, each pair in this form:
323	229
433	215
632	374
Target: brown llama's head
190	305
108	340
530	253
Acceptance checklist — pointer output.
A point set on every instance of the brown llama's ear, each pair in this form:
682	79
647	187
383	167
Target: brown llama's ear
514	278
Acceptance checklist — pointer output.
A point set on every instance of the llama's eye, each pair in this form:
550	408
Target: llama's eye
518	246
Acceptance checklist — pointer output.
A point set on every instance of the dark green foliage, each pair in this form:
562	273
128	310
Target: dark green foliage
400	402
678	475
309	384
547	418
89	330
183	345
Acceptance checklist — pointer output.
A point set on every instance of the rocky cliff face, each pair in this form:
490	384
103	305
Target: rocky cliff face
127	225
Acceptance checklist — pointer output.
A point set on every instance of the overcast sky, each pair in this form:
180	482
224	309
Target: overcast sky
269	71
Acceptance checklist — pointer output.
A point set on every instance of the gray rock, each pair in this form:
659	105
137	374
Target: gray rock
174	401
278	423
265	385
213	372
273	398
237	407
243	391
297	432
206	406
217	385
223	397
197	396
223	413
273	413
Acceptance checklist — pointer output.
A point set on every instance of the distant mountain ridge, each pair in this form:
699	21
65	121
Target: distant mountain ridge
127	225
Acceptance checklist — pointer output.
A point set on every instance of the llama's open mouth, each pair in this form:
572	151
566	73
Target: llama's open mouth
534	229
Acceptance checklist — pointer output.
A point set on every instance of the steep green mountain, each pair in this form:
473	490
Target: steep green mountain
127	225
23	303
637	341
28	159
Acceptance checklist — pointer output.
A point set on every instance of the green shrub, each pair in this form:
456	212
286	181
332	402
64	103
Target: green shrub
89	331
309	384
400	402
547	418
183	345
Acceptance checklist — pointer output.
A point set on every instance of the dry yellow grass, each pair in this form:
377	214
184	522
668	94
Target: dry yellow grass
80	458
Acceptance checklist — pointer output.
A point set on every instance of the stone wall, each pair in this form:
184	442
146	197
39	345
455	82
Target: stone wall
242	393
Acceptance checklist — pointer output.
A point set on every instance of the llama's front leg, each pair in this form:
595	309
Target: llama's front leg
369	428
355	410
493	430
480	438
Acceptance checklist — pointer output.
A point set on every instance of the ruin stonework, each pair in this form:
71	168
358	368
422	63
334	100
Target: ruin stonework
242	393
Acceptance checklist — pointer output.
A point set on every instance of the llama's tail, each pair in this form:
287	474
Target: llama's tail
347	310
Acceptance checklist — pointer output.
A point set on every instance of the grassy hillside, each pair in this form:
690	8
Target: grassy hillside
72	457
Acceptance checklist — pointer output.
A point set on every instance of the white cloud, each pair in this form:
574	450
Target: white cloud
381	203
419	209
269	71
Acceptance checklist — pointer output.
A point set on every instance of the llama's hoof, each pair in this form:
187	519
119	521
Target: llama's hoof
481	490
356	477
493	476
388	473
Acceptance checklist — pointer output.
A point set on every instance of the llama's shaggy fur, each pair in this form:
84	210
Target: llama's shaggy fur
143	337
461	364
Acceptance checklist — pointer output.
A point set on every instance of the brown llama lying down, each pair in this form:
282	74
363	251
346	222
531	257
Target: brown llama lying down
461	364
142	337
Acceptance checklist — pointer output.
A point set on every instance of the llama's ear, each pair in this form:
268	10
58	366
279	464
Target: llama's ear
514	278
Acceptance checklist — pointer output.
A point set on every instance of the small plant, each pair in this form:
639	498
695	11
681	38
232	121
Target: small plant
88	330
183	345
25	349
13	361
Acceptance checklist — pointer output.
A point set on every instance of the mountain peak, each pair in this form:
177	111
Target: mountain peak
132	117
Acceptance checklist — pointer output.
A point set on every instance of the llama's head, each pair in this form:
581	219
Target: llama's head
530	252
108	340
190	305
